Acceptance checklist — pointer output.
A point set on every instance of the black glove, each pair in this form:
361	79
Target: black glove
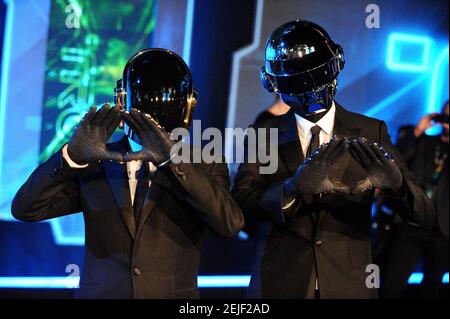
382	171
88	143
155	141
313	176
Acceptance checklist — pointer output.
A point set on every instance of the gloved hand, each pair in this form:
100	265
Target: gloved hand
155	141
382	171
88	143
313	176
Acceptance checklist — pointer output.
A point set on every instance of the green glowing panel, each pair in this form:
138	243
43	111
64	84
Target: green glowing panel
84	63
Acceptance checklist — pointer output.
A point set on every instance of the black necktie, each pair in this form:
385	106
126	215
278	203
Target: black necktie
315	141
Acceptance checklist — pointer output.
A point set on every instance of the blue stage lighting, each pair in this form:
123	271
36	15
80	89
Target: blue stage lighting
40	282
188	31
60	230
219	281
6	59
407	52
389	100
440	69
223	281
72	282
415	278
445	278
242	235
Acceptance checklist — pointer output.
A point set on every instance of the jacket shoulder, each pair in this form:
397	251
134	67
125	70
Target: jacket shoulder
274	121
363	120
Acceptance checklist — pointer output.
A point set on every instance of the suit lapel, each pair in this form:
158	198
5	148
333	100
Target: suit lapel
342	128
144	176
159	184
118	182
339	167
290	150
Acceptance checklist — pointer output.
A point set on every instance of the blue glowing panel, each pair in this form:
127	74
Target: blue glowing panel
415	278
214	281
416	53
242	235
188	31
439	82
24	50
62	282
223	281
445	278
407	52
68	230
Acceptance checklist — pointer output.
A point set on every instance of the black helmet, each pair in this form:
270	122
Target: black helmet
157	82
301	58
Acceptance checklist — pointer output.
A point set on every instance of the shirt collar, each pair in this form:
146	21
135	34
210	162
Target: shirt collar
326	123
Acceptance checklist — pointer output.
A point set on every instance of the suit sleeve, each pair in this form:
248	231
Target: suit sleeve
259	200
206	187
51	191
414	206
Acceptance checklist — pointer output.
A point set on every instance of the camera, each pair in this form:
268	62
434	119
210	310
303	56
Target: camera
440	118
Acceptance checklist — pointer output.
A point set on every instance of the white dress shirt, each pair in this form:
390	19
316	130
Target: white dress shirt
132	168
326	124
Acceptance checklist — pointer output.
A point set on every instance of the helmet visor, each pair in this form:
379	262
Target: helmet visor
303	82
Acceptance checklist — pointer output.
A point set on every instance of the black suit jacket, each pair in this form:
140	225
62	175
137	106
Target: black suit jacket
155	257
419	154
330	233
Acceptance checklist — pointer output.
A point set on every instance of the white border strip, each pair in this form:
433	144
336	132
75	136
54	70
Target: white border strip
188	31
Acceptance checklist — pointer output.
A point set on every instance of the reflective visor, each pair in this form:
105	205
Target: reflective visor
306	81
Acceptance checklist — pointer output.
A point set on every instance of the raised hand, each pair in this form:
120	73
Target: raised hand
155	141
382	171
88	143
424	124
313	176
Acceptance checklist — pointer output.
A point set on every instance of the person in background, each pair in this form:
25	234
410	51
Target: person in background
276	109
427	158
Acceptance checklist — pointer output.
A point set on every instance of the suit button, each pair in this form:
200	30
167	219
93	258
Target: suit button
54	172
319	243
180	173
137	271
178	170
